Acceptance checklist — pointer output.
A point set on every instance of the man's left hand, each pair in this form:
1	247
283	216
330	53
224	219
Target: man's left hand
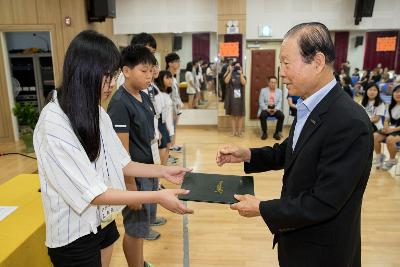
248	205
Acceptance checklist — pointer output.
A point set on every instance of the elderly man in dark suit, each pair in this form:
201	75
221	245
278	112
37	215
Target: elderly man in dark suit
326	160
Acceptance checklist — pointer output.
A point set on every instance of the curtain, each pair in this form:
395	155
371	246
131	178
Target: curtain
341	45
387	58
201	46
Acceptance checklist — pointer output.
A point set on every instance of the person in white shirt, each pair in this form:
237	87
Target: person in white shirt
390	132
172	61
191	89
164	86
82	162
374	106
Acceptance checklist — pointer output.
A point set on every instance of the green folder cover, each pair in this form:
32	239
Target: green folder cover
216	188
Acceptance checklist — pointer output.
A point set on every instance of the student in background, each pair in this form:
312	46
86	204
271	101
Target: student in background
375	109
143	39
166	124
82	162
191	89
173	64
390	131
132	114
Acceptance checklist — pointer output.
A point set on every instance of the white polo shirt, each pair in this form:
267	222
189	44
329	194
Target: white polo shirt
69	181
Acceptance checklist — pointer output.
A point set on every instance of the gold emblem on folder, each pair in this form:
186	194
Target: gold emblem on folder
219	189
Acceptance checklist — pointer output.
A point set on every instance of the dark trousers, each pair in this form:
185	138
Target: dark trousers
263	120
222	87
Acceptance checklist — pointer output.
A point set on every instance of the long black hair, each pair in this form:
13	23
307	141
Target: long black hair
90	57
365	98
393	102
160	81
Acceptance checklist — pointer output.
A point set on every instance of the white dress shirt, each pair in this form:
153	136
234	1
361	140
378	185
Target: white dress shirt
305	107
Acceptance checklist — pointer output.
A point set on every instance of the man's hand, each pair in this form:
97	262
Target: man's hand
232	154
174	174
248	205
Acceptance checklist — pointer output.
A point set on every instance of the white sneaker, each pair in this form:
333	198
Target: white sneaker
176	148
389	164
379	161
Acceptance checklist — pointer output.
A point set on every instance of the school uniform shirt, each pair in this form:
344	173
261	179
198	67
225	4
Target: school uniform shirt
373	111
175	97
190	90
129	115
164	107
155	100
69	181
394	115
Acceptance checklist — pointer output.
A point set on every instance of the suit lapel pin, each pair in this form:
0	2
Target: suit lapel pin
312	121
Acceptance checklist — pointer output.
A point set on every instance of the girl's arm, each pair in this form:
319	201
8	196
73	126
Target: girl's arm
166	198
174	174
375	118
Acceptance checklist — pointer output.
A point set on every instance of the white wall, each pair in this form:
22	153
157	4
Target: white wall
335	14
355	55
23	40
165	16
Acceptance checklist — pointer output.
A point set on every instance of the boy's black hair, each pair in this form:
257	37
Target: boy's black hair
171	57
131	56
144	39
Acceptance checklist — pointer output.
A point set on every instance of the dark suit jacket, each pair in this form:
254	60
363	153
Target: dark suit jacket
316	221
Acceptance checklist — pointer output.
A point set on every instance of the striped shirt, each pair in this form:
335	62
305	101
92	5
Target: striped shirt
69	180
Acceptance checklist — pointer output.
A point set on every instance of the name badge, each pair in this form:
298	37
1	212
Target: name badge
237	93
155	152
107	214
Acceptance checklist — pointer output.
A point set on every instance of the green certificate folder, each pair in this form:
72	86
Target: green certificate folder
216	188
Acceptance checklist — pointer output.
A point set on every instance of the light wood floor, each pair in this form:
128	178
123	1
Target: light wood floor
219	237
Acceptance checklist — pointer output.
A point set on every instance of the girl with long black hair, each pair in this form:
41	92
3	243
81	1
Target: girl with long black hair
82	162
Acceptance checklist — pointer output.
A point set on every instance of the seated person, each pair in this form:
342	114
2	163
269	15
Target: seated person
292	101
390	133
346	85
374	106
270	105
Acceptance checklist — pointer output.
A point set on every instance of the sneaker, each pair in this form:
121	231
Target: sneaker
380	162
264	136
161	186
172	158
159	221
171	162
153	235
148	264
389	164
176	148
277	136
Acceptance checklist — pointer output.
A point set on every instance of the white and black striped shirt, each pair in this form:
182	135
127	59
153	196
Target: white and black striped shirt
69	180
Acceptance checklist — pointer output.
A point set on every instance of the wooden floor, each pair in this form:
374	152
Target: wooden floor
219	237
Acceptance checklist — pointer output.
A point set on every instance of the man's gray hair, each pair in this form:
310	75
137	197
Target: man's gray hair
313	37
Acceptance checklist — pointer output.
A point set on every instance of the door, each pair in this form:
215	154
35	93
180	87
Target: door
262	66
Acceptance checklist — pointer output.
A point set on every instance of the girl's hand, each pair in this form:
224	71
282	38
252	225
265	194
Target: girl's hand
168	199
174	174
